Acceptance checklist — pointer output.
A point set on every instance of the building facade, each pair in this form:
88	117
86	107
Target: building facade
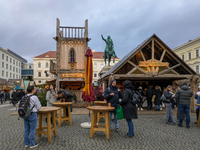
189	53
10	64
41	65
98	63
27	71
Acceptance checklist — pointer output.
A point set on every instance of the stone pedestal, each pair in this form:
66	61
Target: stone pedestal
104	70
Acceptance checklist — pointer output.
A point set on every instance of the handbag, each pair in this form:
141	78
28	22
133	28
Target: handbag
163	98
120	114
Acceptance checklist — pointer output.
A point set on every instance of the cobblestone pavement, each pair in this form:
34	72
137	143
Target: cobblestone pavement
150	134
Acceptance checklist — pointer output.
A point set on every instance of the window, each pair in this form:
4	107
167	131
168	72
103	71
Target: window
10	60
30	66
17	70
6	74
95	65
183	57
39	74
16	76
14	62
13	68
39	65
6	58
10	68
2	56
10	75
47	64
13	76
72	55
17	63
197	53
2	64
197	69
2	73
19	77
102	65
39	81
46	75
189	55
95	74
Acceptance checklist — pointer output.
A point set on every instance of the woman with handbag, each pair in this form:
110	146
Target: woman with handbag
169	97
129	109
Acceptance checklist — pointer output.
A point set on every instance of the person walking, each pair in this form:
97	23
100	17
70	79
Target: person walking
1	96
149	95
65	96
11	96
15	97
168	105
141	100
30	123
183	96
158	94
197	96
129	109
112	95
51	96
100	94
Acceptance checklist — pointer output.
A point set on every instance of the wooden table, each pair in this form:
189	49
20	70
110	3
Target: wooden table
49	111
102	115
94	126
198	123
60	118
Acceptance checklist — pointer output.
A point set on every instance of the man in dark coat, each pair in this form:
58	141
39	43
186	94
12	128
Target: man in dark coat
158	94
149	95
63	95
15	97
21	94
183	96
129	109
112	95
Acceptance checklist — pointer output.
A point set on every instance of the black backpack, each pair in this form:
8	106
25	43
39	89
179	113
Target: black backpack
24	109
136	97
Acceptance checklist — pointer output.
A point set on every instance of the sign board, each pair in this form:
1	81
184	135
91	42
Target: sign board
153	64
72	75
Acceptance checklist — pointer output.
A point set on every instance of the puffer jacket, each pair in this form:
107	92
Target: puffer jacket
183	95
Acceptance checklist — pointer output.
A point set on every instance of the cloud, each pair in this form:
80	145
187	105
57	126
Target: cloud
28	27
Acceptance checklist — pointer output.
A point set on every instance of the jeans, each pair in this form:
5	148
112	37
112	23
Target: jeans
149	102
1	100
158	107
169	113
130	127
30	125
115	120
197	113
181	109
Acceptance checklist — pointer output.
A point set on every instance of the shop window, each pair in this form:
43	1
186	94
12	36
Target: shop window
39	64
39	74
183	57
197	69
189	55
197	53
47	64
95	65
72	55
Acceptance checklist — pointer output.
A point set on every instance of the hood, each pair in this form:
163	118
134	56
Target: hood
184	87
113	87
129	86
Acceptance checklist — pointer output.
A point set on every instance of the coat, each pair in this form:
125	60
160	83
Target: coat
15	97
183	95
50	98
114	100
149	92
158	94
66	95
198	100
129	109
168	95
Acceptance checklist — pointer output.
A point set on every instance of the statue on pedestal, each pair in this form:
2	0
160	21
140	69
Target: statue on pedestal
109	50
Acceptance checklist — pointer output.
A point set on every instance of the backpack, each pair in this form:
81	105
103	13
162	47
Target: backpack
24	109
164	100
136	97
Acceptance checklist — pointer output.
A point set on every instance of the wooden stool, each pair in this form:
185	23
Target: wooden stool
40	130
94	126
60	118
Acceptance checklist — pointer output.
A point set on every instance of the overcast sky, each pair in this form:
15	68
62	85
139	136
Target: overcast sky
28	27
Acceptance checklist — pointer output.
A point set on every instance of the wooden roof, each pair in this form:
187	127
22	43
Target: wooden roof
160	52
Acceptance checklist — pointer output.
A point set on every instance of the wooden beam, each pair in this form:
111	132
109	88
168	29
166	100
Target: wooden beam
167	70
132	70
152	50
142	70
163	54
174	71
142	55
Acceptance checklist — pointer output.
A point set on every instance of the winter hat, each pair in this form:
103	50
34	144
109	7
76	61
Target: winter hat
100	88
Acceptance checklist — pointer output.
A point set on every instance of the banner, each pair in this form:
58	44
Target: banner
26	84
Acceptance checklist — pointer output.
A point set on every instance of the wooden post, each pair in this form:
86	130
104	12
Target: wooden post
57	55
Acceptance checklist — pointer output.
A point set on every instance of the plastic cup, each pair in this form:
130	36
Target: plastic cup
109	104
104	100
58	101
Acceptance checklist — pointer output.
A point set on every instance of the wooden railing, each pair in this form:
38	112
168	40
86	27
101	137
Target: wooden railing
72	32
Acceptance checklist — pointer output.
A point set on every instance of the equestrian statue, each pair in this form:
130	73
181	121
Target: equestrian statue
109	50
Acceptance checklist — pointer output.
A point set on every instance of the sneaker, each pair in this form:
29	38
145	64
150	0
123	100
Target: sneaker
36	145
195	122
138	109
141	109
160	108
187	127
26	146
128	136
180	125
